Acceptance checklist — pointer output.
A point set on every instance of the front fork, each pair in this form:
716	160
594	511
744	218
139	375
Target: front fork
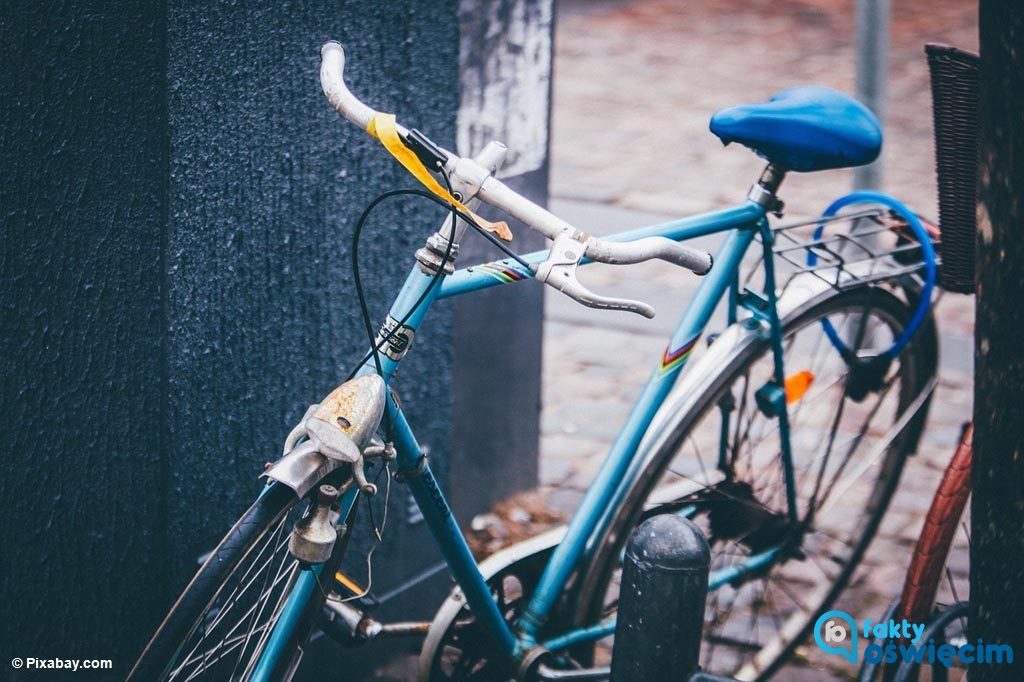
415	471
310	580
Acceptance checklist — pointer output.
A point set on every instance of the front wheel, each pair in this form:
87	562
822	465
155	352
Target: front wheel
219	627
726	473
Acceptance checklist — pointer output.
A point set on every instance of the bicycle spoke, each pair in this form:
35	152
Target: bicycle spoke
263	605
254	618
232	644
231	632
781	586
271	622
854	443
700	456
739	420
753	624
854	349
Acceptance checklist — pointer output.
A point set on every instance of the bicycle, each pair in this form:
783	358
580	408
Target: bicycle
789	490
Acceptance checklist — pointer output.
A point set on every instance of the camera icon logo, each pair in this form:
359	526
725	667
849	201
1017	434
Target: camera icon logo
835	632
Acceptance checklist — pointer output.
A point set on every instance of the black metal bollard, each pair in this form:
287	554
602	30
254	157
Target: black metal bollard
661	602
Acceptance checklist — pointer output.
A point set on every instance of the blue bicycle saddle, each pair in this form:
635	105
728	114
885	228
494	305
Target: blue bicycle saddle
804	129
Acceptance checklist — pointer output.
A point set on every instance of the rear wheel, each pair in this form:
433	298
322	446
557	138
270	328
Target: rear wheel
725	472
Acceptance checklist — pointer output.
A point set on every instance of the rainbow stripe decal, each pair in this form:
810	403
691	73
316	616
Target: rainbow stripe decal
674	359
501	272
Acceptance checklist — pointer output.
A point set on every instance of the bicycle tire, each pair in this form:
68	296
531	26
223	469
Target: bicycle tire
933	545
918	598
919	357
270	510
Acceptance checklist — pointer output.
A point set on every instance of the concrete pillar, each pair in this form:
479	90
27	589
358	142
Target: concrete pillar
505	71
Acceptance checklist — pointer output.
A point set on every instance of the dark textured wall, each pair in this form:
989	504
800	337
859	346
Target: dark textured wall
178	199
997	472
266	181
82	456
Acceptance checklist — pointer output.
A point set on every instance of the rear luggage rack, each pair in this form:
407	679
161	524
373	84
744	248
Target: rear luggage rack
853	249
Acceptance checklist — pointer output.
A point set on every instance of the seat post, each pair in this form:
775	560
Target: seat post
763	191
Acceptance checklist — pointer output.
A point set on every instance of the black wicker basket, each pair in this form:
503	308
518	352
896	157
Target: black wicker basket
954	76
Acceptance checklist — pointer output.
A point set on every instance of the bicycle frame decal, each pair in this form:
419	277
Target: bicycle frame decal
502	272
672	360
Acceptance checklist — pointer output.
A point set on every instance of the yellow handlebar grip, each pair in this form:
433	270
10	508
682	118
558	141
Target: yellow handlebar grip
384	129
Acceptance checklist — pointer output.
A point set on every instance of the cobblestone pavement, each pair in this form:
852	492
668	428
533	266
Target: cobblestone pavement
635	83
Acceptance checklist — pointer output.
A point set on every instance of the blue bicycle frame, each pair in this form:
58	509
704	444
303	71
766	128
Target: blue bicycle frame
741	225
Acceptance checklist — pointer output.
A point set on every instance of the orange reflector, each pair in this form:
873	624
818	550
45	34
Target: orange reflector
349	584
797	384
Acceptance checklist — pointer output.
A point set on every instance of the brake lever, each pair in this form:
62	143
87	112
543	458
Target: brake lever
559	272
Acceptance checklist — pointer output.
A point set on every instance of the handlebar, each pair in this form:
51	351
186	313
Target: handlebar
471	179
332	80
640	250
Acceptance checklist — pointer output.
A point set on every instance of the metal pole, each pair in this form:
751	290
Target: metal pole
872	46
661	602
